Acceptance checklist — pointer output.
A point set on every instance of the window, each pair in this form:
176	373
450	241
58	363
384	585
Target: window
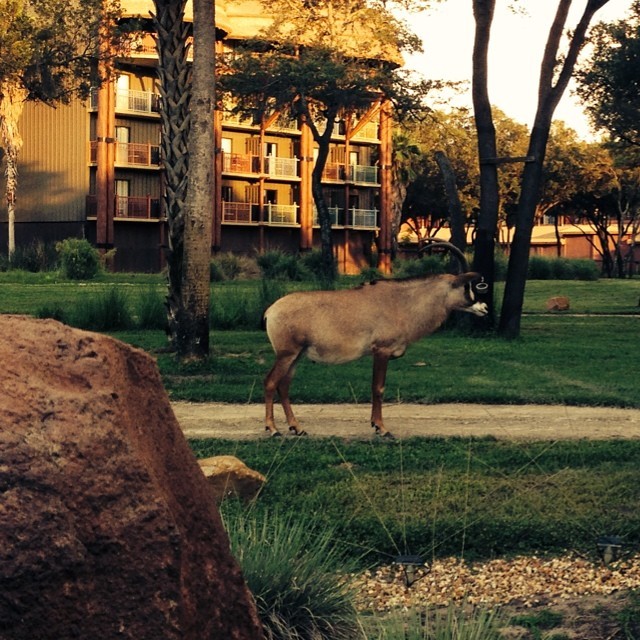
122	198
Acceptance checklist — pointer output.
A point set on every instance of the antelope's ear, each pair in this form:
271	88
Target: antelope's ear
465	278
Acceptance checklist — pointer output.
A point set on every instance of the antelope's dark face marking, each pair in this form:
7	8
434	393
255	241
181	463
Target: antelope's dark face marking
470	303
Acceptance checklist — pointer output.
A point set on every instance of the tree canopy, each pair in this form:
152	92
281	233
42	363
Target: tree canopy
609	79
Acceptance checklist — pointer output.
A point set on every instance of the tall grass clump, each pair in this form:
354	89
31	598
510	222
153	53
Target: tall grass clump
107	311
297	574
278	265
452	623
78	259
236	309
151	309
229	266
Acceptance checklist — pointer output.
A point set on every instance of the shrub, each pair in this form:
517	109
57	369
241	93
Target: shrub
277	265
229	266
312	265
152	310
297	574
424	266
34	257
108	311
270	291
235	310
78	259
541	268
54	311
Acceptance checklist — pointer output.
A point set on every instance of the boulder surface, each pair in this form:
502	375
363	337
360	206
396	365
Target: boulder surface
108	528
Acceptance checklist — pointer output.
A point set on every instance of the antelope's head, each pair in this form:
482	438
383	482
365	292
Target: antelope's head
466	288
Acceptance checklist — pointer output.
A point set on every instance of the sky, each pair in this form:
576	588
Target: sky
516	48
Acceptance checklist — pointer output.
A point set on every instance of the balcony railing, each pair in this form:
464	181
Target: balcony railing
140	102
285	214
281	167
334	171
273	165
363	174
362	218
138	208
240	163
335	215
236	212
131	154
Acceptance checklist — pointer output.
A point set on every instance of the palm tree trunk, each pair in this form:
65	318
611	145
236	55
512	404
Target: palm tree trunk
175	81
12	98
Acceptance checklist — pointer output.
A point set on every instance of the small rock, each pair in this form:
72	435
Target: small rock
229	476
558	303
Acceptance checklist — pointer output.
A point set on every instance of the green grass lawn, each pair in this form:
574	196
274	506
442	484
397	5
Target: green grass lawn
434	496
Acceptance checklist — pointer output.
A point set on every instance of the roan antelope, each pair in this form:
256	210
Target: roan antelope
381	319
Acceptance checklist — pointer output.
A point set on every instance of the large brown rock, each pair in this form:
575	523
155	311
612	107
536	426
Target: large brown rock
107	525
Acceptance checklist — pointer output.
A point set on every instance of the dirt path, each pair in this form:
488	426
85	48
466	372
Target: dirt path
524	422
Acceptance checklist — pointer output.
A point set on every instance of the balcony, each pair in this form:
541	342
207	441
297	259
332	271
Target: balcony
131	102
354	218
237	212
240	163
362	218
131	154
281	167
282	214
334	172
128	207
275	167
335	214
363	174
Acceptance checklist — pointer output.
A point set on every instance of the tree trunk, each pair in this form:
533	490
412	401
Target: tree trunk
323	140
549	95
193	327
12	98
175	81
456	217
484	246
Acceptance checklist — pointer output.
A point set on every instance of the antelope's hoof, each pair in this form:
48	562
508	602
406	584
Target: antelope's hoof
295	432
273	433
383	434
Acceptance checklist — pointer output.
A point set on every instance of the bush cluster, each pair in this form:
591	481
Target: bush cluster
79	260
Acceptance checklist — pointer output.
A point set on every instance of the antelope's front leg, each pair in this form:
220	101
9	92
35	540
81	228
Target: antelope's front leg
380	362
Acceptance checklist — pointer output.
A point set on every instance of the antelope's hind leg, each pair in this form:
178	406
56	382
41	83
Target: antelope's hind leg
279	380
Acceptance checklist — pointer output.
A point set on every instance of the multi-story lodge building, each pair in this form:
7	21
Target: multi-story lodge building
94	169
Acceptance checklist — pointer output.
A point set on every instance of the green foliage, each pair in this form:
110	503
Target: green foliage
541	268
452	623
78	259
151	309
629	617
108	311
34	257
229	266
540	623
424	266
296	573
278	265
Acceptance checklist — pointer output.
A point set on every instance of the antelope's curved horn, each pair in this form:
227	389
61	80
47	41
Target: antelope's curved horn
452	249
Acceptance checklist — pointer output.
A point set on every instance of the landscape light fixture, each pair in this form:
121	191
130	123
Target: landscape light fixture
410	566
610	548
